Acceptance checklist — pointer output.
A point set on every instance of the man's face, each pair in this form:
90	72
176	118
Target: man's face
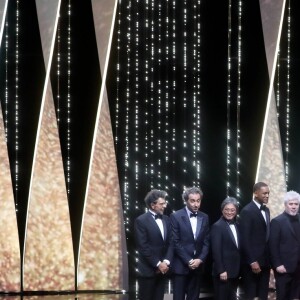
262	195
292	207
229	211
193	202
159	206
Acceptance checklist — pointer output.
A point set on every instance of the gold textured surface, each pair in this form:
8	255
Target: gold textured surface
271	168
102	264
9	239
48	254
48	258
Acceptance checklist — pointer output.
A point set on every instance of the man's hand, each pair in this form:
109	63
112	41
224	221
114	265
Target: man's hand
223	276
281	269
195	263
163	267
255	267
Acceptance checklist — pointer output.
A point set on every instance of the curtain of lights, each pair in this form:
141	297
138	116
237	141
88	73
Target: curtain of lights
158	97
233	133
157	108
63	89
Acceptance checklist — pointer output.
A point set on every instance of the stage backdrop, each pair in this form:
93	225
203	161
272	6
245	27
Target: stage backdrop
64	246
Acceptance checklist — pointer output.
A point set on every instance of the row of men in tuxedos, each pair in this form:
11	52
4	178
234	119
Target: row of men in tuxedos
232	245
184	250
249	249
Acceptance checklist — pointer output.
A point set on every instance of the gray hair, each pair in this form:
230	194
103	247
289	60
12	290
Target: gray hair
230	200
291	195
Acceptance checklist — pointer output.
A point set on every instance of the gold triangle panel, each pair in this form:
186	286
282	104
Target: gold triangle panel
103	258
271	166
10	279
48	251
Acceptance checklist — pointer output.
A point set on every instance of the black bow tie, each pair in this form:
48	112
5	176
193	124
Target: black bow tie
262	207
193	215
158	217
231	222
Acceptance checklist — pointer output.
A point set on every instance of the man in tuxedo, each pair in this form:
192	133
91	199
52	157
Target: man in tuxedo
255	231
285	249
190	228
225	245
153	241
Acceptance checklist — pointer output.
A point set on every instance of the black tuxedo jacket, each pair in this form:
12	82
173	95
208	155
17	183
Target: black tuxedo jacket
284	244
254	235
225	251
185	246
150	244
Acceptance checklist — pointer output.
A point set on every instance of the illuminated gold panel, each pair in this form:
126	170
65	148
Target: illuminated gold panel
271	166
9	239
102	261
48	257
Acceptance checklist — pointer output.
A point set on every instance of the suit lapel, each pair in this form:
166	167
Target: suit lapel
165	229
199	225
260	216
155	225
230	232
186	221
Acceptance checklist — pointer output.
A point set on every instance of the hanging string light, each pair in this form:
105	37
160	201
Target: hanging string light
287	123
17	105
238	129
184	100
159	95
68	160
174	87
117	105
127	113
136	92
152	90
167	93
228	135
6	82
147	81
229	141
196	92
58	73
278	84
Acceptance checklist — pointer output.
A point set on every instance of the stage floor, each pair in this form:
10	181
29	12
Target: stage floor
102	296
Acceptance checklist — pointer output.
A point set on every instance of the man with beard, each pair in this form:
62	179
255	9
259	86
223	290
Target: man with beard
285	249
190	228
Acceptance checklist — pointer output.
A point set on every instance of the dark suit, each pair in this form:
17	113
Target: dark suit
285	250
226	258
254	241
186	248
152	248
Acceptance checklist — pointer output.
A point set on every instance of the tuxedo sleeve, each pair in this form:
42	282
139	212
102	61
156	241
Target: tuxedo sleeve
206	239
170	252
142	243
274	243
216	246
246	227
178	247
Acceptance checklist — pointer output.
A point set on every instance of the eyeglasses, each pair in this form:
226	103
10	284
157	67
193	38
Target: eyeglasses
230	210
